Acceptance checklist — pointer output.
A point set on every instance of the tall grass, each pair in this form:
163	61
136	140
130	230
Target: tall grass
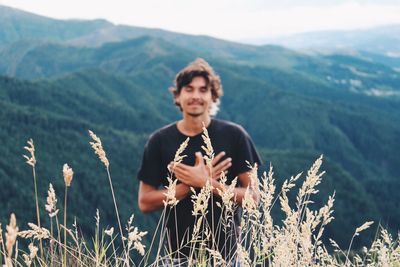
296	241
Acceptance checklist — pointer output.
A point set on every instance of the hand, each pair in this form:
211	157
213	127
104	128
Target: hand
195	176
218	168
198	174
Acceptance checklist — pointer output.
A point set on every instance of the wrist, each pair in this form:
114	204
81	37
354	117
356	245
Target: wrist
204	181
182	190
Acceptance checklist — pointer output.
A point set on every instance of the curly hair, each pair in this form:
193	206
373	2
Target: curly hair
199	68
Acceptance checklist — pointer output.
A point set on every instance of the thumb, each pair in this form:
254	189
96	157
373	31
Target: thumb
199	159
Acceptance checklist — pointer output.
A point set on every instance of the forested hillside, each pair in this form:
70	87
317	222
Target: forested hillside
295	106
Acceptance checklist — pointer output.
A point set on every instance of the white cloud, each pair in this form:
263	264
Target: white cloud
230	19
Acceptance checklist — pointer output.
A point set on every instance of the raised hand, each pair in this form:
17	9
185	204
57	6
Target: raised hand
197	175
220	167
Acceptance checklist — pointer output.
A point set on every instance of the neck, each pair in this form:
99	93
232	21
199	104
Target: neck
191	126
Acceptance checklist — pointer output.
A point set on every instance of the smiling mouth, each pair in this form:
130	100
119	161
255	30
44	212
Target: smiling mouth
195	104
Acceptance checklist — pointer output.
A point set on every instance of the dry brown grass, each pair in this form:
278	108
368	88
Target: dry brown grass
297	241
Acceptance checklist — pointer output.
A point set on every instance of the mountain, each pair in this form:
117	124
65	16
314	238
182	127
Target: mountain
296	106
381	40
377	44
57	115
35	53
27	26
44	60
17	25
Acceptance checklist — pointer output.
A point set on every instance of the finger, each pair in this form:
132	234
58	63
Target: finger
218	177
180	172
182	166
225	164
182	177
199	159
218	157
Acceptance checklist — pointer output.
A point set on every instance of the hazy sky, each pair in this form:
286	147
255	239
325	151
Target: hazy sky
228	19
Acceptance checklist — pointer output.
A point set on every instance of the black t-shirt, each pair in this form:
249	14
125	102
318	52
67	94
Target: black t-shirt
160	151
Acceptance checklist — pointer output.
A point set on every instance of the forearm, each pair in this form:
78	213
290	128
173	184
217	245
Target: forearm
153	200
239	192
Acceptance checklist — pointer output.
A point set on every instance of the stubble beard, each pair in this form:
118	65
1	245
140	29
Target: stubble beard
195	115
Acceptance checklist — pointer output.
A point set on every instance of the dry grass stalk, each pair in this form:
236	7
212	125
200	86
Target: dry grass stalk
32	162
208	148
227	194
51	200
11	238
68	174
98	149
243	256
200	200
29	258
109	232
363	227
135	237
31	149
296	243
217	259
178	154
170	195
3	248
36	232
267	191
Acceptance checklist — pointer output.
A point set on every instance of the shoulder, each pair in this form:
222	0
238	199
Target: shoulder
159	136
163	132
229	127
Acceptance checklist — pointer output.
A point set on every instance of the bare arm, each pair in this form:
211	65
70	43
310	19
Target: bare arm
151	198
197	175
244	182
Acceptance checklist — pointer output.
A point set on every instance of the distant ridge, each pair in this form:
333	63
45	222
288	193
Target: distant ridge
56	84
380	39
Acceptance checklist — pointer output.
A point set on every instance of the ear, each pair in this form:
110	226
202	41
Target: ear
176	96
173	91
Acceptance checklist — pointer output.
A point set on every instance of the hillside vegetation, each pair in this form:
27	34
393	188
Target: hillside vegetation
295	106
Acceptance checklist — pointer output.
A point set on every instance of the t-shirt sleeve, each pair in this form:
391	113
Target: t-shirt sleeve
246	152
150	168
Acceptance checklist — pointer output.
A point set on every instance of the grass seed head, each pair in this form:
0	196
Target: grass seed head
109	232
31	149
11	235
98	148
51	206
208	148
35	232
171	199
363	227
68	174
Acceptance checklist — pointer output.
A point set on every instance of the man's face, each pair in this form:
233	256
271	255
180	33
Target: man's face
195	98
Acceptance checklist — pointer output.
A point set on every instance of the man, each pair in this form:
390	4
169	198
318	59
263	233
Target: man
197	94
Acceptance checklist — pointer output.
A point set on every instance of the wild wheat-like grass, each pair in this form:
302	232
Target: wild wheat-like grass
68	175
28	258
135	237
296	242
36	232
98	149
51	208
170	203
31	160
11	238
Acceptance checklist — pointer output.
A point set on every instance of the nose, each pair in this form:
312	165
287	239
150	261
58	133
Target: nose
196	94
